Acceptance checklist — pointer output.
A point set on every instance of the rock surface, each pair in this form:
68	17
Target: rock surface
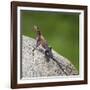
34	64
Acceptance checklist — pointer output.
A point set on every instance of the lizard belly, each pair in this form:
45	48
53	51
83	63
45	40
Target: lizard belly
44	44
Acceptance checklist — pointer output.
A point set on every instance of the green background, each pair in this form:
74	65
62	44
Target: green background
61	30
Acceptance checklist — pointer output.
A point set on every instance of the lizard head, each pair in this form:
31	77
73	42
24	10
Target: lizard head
35	28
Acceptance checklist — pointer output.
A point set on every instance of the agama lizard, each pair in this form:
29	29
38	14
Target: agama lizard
40	40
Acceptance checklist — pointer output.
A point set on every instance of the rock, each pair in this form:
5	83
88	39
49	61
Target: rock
34	64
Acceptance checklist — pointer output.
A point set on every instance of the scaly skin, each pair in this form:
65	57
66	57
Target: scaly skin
48	50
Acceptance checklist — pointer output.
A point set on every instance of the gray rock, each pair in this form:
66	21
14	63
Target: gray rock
34	64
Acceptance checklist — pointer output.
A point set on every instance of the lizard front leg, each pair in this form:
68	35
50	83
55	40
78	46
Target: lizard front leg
37	44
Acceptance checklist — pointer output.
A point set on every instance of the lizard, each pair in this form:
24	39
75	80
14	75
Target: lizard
40	40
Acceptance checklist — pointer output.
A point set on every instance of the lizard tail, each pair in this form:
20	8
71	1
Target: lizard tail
59	64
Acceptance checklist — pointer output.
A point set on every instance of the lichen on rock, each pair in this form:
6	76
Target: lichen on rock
34	64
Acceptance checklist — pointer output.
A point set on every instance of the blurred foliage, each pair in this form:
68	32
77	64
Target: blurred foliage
61	30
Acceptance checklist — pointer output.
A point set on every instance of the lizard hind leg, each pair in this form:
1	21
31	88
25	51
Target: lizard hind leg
47	57
37	44
48	53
